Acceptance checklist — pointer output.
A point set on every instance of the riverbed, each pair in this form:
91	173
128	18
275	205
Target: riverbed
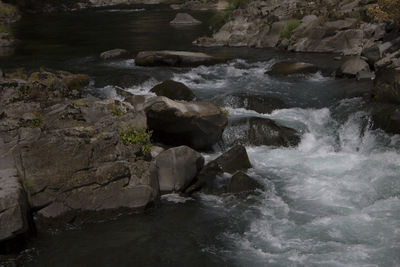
331	201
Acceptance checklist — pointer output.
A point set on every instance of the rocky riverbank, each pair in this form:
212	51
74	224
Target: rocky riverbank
341	27
68	159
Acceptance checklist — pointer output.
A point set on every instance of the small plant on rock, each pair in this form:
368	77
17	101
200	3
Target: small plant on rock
289	28
142	136
37	121
117	111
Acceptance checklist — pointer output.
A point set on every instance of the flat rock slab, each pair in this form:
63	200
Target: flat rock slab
176	59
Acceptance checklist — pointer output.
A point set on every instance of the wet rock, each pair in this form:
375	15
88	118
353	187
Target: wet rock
173	90
177	167
14	208
387	118
259	131
184	19
176	59
258	103
235	159
241	183
288	68
195	124
114	54
387	86
353	67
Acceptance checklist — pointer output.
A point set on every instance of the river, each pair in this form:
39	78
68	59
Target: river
331	201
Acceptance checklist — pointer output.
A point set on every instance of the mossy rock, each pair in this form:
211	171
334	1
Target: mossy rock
173	90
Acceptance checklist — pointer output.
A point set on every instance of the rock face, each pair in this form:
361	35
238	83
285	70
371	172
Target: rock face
300	26
184	19
73	156
353	67
195	124
235	159
259	131
114	54
175	59
387	86
14	206
177	167
173	90
288	68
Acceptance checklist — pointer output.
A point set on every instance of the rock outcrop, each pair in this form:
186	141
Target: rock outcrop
198	125
176	59
300	26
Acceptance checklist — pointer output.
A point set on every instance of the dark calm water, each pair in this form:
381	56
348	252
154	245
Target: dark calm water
331	201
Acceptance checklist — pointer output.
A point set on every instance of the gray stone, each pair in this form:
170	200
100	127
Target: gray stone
352	67
177	167
184	19
114	54
176	59
242	183
233	160
288	68
173	90
259	131
195	124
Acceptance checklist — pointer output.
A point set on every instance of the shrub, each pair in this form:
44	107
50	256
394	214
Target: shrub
220	18
386	9
37	121
117	111
142	136
289	28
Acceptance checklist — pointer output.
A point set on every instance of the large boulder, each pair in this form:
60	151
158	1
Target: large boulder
353	67
288	68
184	19
259	131
235	159
176	59
387	86
177	167
173	90
195	124
114	54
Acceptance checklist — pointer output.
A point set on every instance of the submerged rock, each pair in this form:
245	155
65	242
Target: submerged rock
177	167
173	90
184	19
195	124
114	54
259	103
288	68
259	131
176	59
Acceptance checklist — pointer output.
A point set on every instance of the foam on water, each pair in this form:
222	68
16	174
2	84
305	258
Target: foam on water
335	199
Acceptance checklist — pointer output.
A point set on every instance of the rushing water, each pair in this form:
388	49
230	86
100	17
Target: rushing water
331	201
